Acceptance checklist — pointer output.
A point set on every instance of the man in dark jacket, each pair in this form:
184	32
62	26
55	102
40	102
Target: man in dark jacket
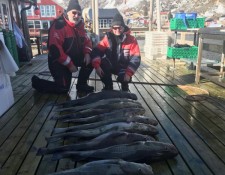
117	53
69	48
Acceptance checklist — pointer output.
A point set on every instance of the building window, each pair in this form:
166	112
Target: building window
37	24
5	20
30	24
110	22
103	23
48	11
29	12
45	24
34	24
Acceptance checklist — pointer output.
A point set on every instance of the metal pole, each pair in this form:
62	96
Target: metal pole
26	31
96	21
158	15
151	14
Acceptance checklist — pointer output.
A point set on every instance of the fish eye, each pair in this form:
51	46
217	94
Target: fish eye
139	171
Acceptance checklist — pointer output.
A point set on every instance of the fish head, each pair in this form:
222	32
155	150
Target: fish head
161	150
133	168
137	111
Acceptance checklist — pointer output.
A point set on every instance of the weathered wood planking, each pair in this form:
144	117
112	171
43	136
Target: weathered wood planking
195	128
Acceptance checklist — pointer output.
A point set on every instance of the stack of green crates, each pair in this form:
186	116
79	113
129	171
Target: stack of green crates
183	52
178	24
10	43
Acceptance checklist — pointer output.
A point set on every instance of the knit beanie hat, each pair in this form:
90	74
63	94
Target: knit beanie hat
118	20
73	4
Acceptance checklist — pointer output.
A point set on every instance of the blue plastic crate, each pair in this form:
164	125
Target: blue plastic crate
181	16
191	16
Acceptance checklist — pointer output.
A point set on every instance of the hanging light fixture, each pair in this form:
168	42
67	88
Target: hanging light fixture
37	10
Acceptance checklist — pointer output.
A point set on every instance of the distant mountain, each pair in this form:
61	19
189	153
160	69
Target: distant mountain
207	8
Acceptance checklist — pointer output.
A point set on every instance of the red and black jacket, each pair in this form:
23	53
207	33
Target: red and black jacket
68	42
125	54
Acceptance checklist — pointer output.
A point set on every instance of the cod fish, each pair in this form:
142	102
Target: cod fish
140	151
115	119
131	127
109	167
100	112
100	104
102	141
94	97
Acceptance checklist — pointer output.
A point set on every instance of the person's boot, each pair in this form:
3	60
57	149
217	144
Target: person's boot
85	87
45	86
125	87
82	86
107	81
108	88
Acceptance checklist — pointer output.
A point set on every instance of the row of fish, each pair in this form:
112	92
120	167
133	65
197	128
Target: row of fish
111	130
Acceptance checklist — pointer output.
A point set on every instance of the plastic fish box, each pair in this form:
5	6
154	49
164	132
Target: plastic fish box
183	52
177	24
191	23
191	15
200	22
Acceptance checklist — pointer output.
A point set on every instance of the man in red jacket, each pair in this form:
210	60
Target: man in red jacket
69	48
117	53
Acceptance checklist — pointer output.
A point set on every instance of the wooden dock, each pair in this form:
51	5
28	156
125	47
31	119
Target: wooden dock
196	128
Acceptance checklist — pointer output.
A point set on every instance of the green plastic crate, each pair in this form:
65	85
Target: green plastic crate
191	23
177	24
183	52
10	43
195	23
200	22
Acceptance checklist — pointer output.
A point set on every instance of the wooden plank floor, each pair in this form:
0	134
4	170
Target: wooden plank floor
196	128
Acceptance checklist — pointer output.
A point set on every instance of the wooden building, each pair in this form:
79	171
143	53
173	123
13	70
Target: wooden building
49	10
105	18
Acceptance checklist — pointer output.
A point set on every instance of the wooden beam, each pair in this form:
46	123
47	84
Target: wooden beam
151	14
198	66
158	15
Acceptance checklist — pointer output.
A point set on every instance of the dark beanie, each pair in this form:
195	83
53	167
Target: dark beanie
118	20
73	4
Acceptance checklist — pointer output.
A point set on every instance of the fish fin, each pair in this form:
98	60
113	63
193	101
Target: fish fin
117	134
73	155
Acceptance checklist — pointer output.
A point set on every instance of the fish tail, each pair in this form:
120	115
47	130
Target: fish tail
59	130
57	156
52	139
54	117
42	151
59	104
